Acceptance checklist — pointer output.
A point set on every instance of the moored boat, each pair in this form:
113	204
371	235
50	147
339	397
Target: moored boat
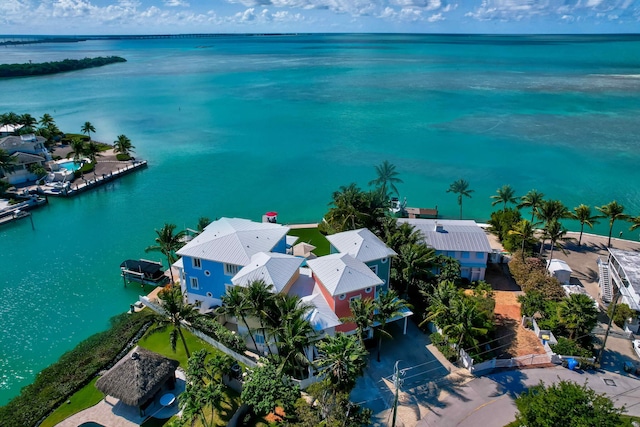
144	272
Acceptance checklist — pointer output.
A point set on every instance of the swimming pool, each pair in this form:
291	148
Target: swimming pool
70	165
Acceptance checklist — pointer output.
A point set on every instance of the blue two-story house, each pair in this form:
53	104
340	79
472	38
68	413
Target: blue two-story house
365	246
212	258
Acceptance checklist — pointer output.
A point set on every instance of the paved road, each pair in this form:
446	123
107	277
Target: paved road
489	401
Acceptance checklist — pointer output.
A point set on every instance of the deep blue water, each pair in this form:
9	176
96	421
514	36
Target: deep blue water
237	126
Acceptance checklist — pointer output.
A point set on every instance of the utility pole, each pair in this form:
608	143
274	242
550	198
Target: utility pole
606	335
396	383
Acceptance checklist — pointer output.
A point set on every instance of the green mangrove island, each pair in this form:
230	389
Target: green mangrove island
44	68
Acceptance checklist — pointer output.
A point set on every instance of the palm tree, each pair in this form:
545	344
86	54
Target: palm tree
78	149
7	162
579	314
461	188
533	199
556	233
468	324
583	214
234	303
92	151
388	305
635	223
260	297
415	263
526	231
203	221
362	310
28	121
342	360
293	335
10	118
387	177
168	243
613	211
46	120
505	194
177	310
440	300
87	128
123	145
549	212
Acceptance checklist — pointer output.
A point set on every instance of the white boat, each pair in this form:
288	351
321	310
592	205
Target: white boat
396	207
20	214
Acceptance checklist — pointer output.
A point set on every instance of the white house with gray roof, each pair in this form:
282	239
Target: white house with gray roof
620	272
463	240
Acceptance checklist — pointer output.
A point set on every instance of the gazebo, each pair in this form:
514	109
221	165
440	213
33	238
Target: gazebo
138	377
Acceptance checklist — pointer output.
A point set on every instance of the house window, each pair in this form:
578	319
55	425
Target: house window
451	254
374	268
207	273
209	295
231	269
479	255
465	254
259	339
342	296
352	299
196	262
384	260
194	283
368	290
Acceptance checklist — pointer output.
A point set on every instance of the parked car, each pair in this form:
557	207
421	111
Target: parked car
636	347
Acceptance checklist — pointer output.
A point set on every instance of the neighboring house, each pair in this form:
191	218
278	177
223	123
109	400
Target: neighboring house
216	255
22	162
463	240
7	130
25	150
365	246
620	272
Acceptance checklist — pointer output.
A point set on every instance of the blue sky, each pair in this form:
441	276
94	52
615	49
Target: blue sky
286	16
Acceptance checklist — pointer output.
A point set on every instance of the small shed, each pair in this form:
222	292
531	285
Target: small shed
560	270
138	377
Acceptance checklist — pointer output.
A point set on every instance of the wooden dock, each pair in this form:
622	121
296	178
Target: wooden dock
76	188
422	212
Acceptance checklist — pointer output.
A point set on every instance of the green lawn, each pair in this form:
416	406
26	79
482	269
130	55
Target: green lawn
84	398
313	237
160	343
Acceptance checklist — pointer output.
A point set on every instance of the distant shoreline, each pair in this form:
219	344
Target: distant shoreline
46	68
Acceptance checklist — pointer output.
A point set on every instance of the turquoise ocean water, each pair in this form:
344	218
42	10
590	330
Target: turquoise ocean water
237	126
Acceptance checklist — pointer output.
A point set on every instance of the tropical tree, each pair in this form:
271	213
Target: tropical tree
28	121
167	243
532	302
461	188
440	300
342	360
235	304
635	223
10	118
557	234
582	214
551	211
46	120
566	404
505	194
92	151
449	270
352	208
468	324
387	306
78	149
265	388
415	262
533	199
387	178
362	310
613	211
203	221
37	169
259	297
87	128
177	310
526	232
7	162
123	145
579	314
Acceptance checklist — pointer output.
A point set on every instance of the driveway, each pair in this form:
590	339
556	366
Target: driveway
489	401
422	372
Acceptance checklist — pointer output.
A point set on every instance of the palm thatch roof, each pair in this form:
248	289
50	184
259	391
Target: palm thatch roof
137	377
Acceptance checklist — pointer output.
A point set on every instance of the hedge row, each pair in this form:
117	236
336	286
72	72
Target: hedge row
71	372
221	334
531	274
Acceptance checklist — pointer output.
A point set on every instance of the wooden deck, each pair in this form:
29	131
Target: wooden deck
422	212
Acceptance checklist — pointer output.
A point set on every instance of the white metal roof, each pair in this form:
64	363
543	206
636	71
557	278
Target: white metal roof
341	273
558	265
234	240
274	268
456	235
321	316
630	263
362	244
291	240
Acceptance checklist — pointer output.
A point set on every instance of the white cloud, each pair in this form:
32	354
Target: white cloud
435	18
175	3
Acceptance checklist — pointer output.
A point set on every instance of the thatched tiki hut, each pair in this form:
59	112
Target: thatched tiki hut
138	377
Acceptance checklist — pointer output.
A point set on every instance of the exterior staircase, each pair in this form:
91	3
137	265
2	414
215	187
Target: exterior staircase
606	289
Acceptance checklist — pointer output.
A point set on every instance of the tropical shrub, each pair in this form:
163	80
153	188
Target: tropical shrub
567	347
531	274
219	333
123	157
501	222
72	371
623	312
442	344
